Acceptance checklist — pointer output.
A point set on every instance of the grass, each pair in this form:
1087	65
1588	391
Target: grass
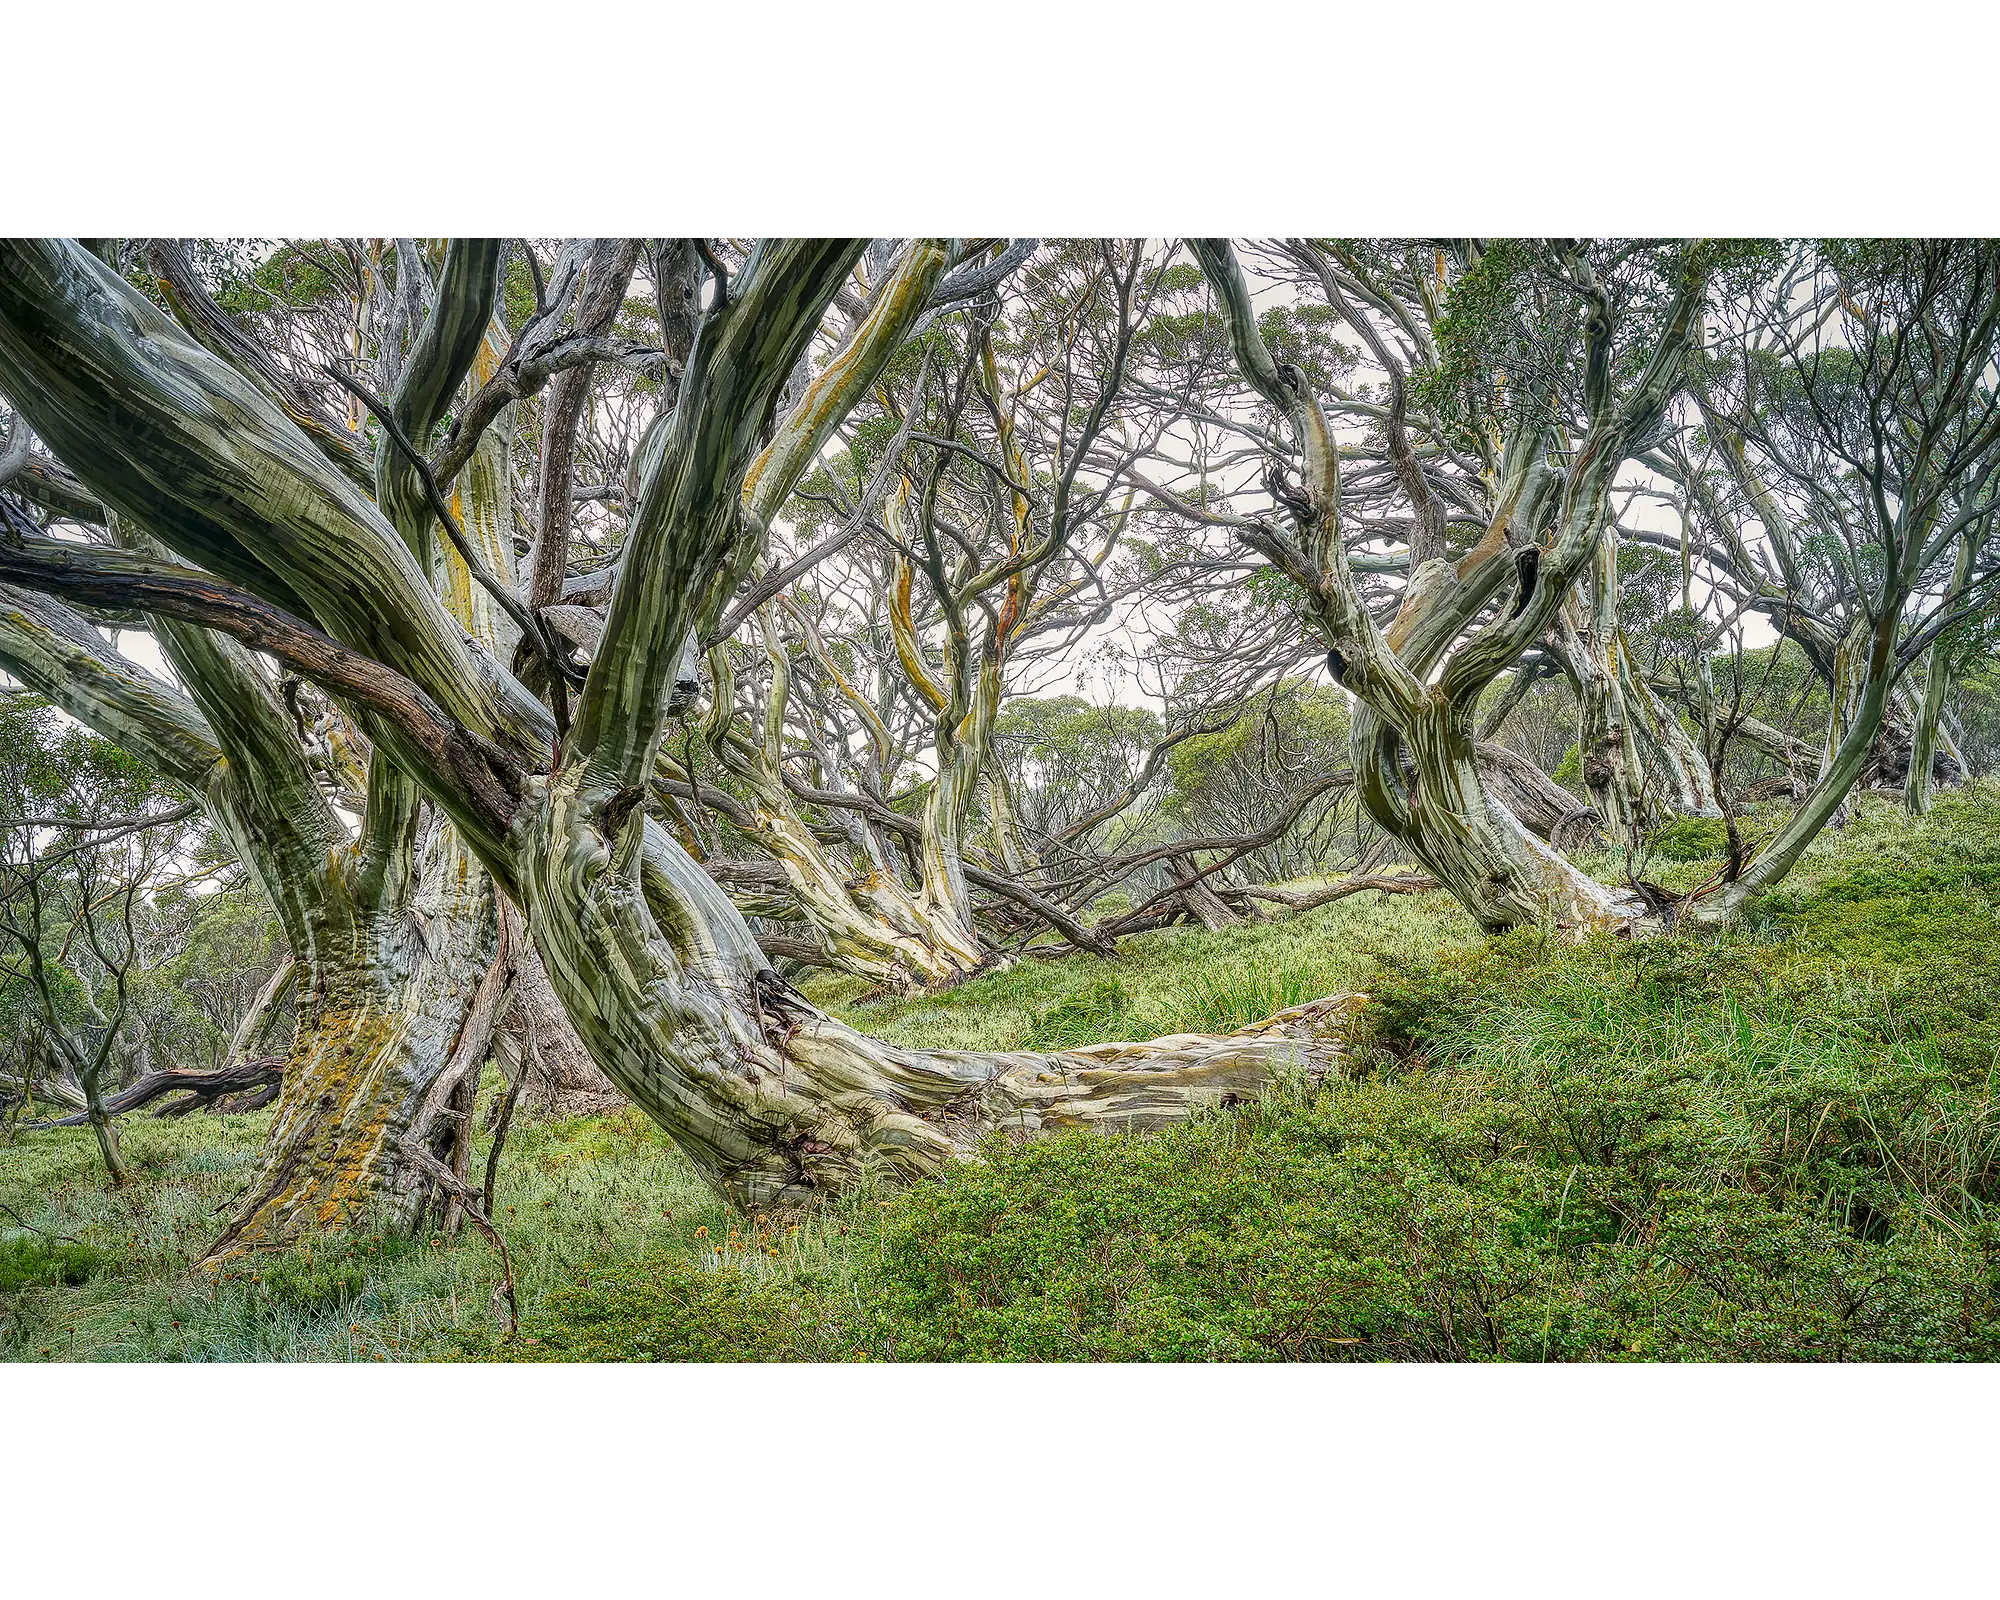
1781	1142
1170	981
574	1197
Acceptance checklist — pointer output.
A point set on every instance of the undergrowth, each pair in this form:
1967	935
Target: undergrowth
1780	1142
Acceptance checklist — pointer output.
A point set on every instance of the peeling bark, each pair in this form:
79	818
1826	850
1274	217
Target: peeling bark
774	1101
391	989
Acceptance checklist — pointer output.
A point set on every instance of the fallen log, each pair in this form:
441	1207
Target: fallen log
204	1089
43	1088
1544	807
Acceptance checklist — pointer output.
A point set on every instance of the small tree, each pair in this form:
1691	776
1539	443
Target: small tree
86	834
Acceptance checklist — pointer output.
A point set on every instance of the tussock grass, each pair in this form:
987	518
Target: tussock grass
572	1196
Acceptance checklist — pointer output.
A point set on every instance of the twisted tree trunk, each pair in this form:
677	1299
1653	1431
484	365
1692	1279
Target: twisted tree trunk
1453	822
865	921
392	980
1640	766
772	1100
537	1047
1417	682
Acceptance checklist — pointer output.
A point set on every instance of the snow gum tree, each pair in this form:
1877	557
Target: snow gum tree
275	546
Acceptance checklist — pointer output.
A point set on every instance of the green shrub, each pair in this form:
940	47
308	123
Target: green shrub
1779	1142
1409	1005
1430	1218
33	1262
1690	839
666	1308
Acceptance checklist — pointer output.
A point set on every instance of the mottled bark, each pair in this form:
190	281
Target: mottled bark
774	1101
1639	765
392	983
1404	721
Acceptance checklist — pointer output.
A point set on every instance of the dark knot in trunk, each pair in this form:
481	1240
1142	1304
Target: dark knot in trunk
1527	563
611	819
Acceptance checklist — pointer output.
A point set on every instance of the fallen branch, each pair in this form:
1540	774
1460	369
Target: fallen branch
44	1232
204	1089
1387	882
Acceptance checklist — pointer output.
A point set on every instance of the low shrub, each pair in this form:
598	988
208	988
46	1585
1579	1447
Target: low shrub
31	1262
666	1308
1690	839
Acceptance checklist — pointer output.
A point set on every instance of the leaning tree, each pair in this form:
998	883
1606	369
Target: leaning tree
1570	358
275	546
401	964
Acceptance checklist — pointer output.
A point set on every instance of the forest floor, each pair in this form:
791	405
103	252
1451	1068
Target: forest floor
1781	1142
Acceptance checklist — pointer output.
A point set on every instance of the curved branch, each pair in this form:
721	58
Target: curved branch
484	780
692	497
212	326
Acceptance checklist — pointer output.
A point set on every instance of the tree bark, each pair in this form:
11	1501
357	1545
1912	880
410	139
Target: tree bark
774	1101
392	983
258	1020
1640	766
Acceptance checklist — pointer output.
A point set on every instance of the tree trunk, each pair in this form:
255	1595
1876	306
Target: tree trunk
537	1045
1870	657
1467	837
867	922
1924	736
100	1122
263	1013
390	985
773	1101
1641	768
871	926
1937	685
1014	857
1545	808
1202	901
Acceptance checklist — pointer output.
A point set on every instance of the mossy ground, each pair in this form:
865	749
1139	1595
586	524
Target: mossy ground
1782	1142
